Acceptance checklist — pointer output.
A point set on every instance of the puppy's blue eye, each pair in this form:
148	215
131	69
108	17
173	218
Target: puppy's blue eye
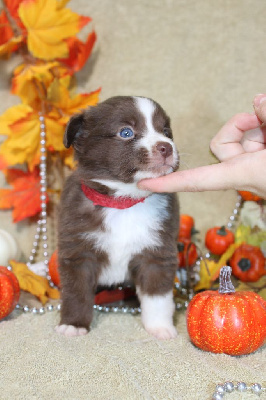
167	132
126	133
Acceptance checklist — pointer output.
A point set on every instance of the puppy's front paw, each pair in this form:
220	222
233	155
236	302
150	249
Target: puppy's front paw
162	332
70	330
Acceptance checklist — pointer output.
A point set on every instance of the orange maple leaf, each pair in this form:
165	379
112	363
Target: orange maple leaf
62	99
79	51
12	7
48	25
24	198
8	42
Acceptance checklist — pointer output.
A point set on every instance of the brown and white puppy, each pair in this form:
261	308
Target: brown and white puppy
117	143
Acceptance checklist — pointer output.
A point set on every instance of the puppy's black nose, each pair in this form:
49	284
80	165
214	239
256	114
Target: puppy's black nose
164	148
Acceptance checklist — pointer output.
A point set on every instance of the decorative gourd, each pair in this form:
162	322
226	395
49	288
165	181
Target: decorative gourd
8	247
187	253
53	268
248	196
218	239
226	321
248	263
186	225
9	292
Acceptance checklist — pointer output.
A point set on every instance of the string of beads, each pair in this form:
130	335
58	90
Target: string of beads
223	389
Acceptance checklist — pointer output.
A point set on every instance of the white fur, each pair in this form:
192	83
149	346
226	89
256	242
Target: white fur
157	315
151	136
127	233
123	189
70	330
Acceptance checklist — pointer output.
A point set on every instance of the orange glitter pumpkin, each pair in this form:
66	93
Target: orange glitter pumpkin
227	322
9	292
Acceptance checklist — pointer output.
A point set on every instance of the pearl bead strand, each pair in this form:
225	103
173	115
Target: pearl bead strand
41	231
223	389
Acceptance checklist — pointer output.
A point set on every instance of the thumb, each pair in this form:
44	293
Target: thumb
259	103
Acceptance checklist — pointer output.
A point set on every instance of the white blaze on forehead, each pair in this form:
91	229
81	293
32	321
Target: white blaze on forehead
150	137
147	108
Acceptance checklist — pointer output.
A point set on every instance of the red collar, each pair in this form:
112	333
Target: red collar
104	200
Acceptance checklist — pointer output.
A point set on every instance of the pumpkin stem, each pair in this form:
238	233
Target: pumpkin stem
226	285
244	264
222	231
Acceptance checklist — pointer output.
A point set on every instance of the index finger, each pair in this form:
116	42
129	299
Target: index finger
210	177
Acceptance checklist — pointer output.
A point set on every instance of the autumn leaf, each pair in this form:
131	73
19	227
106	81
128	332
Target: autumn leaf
79	52
58	94
32	283
61	3
68	159
258	287
254	237
48	25
22	126
206	267
8	42
24	198
210	269
31	80
12	7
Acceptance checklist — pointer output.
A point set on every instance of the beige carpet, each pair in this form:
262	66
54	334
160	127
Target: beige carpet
203	61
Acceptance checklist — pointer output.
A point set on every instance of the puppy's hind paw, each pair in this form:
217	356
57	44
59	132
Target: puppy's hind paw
70	330
163	332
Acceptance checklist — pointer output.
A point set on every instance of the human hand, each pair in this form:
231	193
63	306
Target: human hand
240	145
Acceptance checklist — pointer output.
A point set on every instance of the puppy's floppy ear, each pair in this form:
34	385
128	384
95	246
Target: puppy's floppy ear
73	129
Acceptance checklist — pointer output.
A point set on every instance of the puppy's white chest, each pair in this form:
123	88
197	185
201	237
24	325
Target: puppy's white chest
127	233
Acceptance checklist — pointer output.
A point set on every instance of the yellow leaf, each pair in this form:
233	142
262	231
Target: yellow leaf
214	267
23	143
257	287
22	125
206	279
60	96
262	293
67	156
11	115
242	233
225	257
32	283
61	3
31	80
55	132
11	45
48	24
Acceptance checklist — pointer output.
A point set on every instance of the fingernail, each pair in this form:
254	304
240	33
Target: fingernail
259	98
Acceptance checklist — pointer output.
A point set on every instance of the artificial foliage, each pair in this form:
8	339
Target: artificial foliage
41	36
33	283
